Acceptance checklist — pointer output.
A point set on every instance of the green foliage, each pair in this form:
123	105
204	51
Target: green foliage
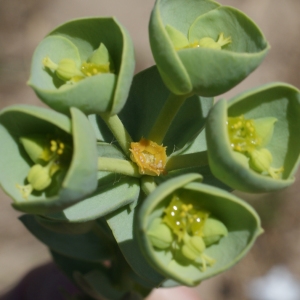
117	230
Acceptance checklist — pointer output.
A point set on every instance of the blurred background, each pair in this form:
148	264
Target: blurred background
23	23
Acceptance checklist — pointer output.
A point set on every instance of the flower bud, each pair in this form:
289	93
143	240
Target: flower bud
67	69
193	247
260	160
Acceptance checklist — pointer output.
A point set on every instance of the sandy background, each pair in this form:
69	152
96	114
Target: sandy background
23	23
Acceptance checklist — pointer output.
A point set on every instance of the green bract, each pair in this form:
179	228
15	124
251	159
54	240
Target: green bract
65	60
50	160
202	47
228	233
272	160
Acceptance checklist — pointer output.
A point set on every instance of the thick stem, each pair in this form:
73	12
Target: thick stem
184	161
166	117
119	131
119	166
148	184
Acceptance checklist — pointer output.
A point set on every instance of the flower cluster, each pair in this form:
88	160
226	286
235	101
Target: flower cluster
155	208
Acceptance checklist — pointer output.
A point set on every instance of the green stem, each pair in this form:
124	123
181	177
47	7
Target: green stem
184	161
166	117
120	166
119	131
148	184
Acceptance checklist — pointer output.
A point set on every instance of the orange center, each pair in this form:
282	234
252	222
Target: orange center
149	156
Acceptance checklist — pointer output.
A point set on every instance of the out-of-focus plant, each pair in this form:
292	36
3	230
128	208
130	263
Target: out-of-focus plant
155	209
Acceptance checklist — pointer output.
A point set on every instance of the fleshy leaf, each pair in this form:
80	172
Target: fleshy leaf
122	224
179	15
103	201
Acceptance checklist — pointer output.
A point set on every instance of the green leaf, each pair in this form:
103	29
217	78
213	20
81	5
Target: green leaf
113	191
240	219
81	271
64	227
147	96
98	285
276	100
165	56
103	201
213	73
122	224
86	247
77	40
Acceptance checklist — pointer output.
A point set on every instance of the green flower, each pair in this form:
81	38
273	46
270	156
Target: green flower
86	63
204	222
204	48
50	160
254	138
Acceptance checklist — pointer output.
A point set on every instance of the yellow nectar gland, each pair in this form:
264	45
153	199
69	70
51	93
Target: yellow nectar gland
244	139
52	159
186	231
187	223
208	42
149	156
67	70
91	69
242	134
183	218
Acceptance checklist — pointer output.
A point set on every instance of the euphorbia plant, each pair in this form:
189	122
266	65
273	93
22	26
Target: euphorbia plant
155	209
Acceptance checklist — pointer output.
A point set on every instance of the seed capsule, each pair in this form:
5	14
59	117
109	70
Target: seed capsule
160	234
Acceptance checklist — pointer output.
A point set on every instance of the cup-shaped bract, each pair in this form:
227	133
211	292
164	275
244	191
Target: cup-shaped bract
271	159
84	63
204	48
233	228
48	161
